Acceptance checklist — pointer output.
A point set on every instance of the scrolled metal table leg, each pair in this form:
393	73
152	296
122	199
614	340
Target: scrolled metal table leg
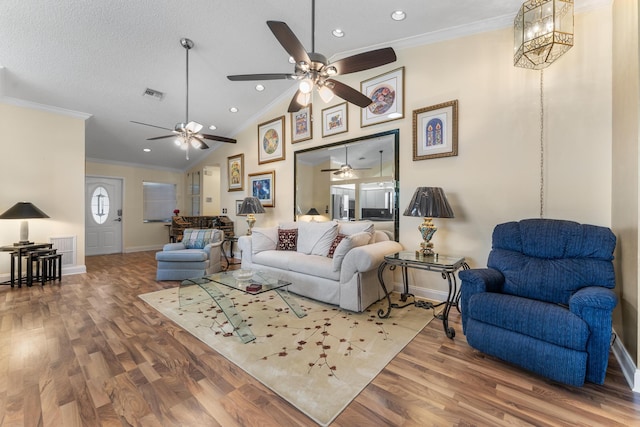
381	312
447	307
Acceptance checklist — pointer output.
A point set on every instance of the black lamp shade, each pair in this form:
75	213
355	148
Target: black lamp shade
313	211
429	202
23	210
251	205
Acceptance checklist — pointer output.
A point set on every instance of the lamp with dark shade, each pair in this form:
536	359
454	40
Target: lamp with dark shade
24	211
313	212
251	206
428	203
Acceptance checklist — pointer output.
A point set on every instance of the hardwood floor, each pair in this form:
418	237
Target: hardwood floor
88	352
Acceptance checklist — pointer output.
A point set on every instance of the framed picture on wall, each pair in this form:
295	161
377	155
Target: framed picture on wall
435	131
335	120
263	186
301	126
238	204
387	93
271	141
235	172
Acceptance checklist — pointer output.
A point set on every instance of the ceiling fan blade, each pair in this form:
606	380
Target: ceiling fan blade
294	106
329	170
365	61
203	145
253	77
153	126
217	138
161	137
289	41
349	94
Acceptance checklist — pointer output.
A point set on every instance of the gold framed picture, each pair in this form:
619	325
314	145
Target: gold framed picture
271	141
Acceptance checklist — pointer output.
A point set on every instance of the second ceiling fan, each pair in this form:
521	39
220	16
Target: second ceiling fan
187	133
313	70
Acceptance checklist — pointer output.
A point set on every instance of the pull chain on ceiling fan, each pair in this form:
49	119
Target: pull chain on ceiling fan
188	132
313	70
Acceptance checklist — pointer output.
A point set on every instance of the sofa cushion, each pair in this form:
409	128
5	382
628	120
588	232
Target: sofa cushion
335	244
264	239
353	227
313	265
315	238
196	239
544	321
182	256
287	239
273	258
348	243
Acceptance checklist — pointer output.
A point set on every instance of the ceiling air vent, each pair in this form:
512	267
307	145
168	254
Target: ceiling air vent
152	93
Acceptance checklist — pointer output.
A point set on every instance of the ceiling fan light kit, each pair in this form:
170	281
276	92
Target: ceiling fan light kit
313	70
188	132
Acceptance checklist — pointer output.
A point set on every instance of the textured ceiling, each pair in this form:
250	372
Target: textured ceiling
97	57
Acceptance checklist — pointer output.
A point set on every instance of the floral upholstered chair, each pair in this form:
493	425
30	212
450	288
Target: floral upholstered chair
198	254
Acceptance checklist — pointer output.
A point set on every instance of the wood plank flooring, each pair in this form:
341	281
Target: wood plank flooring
88	352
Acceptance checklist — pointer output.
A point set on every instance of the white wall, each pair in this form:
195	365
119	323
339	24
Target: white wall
42	162
495	177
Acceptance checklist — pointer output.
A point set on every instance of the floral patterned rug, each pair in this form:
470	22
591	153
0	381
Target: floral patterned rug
319	363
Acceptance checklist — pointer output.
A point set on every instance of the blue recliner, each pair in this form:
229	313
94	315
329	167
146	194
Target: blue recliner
198	254
545	301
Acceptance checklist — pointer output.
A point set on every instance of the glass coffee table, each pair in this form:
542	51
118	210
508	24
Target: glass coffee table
217	285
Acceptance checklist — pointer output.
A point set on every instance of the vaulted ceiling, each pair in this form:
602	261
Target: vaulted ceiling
98	57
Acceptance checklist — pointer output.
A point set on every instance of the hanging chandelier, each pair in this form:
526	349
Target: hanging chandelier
543	31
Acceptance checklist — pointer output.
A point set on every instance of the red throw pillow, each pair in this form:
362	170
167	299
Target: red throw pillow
287	240
335	244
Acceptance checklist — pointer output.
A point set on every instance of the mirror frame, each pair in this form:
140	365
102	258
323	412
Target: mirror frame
396	171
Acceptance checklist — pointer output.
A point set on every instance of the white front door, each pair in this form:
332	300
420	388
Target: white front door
103	215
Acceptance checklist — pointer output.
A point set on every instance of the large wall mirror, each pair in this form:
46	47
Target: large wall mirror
350	180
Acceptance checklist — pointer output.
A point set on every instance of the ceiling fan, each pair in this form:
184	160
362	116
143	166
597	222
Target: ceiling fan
345	170
313	70
188	132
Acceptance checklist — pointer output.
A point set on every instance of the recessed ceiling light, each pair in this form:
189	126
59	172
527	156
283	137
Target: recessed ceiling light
233	109
338	32
398	15
212	127
146	150
259	87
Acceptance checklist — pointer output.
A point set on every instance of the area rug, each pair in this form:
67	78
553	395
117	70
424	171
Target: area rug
318	363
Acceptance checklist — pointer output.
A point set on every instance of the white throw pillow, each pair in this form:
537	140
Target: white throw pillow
288	225
348	243
264	239
315	238
353	227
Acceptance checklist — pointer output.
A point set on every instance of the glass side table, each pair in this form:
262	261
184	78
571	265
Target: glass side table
446	265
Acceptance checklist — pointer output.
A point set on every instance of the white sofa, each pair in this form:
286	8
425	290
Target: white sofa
346	276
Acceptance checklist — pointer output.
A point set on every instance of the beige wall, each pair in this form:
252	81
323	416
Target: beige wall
42	162
495	177
626	113
137	235
211	191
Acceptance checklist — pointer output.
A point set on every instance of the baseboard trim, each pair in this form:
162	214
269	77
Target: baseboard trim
629	368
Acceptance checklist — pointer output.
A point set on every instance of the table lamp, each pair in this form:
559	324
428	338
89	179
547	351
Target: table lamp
313	212
429	203
251	206
24	211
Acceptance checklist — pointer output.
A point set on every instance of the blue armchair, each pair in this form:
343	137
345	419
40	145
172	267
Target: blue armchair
198	254
545	301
